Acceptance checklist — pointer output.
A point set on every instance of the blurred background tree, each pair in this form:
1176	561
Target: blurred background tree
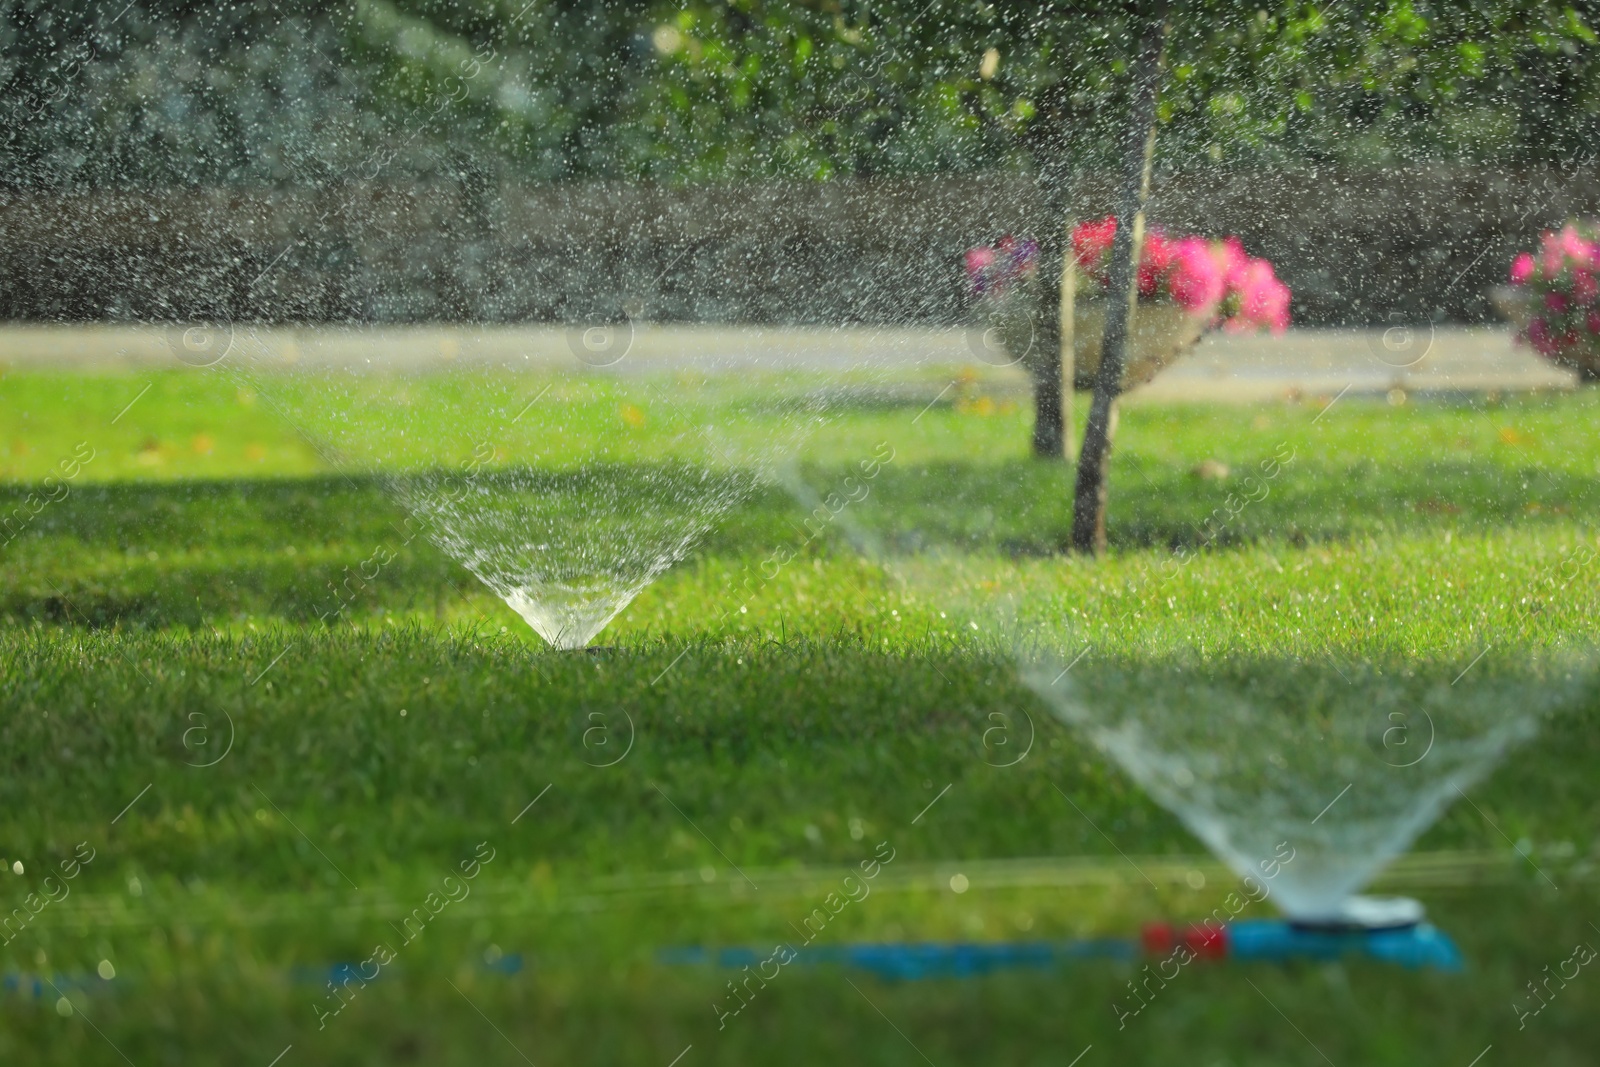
196	93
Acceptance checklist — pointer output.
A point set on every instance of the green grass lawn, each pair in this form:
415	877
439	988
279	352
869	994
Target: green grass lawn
267	795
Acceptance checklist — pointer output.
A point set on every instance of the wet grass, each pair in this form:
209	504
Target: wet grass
164	612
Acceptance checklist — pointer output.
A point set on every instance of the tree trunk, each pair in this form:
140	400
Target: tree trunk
1065	312
1049	141
1044	354
1138	144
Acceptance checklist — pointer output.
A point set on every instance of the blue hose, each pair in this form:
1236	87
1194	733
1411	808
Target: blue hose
1414	947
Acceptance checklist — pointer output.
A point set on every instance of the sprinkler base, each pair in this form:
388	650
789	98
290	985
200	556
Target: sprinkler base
1421	945
1364	915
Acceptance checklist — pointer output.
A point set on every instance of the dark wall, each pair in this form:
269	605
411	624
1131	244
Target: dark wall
1356	248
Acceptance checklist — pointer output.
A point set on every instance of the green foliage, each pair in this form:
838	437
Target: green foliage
315	92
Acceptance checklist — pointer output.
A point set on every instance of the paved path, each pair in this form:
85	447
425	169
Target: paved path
1309	362
1324	362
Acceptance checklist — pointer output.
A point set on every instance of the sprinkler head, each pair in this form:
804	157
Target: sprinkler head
1360	914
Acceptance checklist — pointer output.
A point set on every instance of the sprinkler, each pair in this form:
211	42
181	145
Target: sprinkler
1389	930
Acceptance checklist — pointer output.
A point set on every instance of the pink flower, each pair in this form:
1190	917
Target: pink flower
1158	251
1149	280
1574	246
1274	306
1263	299
1154	261
1208	279
1551	254
980	264
1198	282
1091	241
996	269
1230	252
1563	280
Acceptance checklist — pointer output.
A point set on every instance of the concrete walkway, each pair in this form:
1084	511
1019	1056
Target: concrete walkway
1324	362
1310	362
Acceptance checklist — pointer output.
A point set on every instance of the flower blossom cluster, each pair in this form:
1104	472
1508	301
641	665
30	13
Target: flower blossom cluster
994	270
1562	279
1216	280
1213	279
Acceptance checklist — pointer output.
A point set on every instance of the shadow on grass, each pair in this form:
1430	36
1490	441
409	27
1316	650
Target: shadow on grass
1024	508
188	552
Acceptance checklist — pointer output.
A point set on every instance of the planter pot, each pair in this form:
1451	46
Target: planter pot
1515	305
1161	331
